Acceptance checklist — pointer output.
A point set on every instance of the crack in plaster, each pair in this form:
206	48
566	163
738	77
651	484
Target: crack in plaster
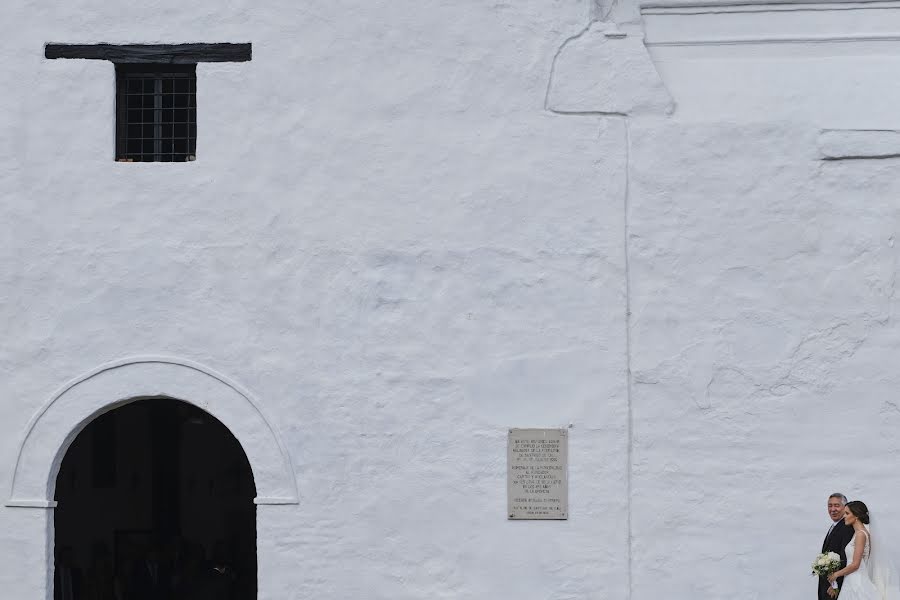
599	13
824	346
808	365
890	405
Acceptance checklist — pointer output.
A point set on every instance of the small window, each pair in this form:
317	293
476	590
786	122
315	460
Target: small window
156	112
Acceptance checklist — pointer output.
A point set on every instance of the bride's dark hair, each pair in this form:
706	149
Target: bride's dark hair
859	510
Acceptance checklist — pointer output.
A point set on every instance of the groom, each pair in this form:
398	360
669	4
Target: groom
837	538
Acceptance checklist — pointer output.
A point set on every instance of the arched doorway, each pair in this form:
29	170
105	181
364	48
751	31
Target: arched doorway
155	499
59	421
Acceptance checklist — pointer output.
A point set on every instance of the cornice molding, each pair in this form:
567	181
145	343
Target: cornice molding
829	63
762	5
679	23
751	41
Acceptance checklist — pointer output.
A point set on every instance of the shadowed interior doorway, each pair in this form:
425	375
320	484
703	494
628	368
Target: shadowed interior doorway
155	501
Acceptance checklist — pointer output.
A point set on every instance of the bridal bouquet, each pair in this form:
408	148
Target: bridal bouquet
826	564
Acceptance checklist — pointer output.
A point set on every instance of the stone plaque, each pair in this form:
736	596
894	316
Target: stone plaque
537	483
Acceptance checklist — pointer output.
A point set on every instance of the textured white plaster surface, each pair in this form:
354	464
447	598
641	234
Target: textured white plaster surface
396	244
386	238
763	287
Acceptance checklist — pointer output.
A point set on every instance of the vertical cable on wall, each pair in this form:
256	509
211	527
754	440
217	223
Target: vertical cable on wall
630	418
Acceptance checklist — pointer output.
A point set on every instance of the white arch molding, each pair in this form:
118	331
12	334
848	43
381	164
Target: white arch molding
54	427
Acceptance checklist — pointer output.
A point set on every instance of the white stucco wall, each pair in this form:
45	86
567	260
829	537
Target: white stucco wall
414	225
765	343
385	238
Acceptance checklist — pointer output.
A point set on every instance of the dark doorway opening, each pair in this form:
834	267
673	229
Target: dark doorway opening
155	502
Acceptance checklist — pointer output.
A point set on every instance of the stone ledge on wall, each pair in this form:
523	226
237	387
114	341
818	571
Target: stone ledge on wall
849	144
607	71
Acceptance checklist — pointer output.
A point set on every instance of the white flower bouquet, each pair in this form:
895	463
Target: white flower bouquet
826	564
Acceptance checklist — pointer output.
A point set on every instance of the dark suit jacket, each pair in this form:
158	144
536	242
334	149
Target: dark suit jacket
836	541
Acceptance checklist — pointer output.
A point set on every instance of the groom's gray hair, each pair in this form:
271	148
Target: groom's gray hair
840	496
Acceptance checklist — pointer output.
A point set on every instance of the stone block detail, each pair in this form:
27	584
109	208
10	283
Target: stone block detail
844	144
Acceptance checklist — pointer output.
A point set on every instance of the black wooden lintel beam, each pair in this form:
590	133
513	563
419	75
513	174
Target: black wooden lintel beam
152	53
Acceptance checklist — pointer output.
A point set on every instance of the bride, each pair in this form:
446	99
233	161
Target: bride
869	574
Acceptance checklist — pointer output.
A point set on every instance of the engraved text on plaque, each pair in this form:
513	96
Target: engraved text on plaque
536	476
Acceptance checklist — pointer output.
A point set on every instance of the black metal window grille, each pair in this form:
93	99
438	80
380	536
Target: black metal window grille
156	112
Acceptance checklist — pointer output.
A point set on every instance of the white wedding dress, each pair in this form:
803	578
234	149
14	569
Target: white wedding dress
858	585
874	580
